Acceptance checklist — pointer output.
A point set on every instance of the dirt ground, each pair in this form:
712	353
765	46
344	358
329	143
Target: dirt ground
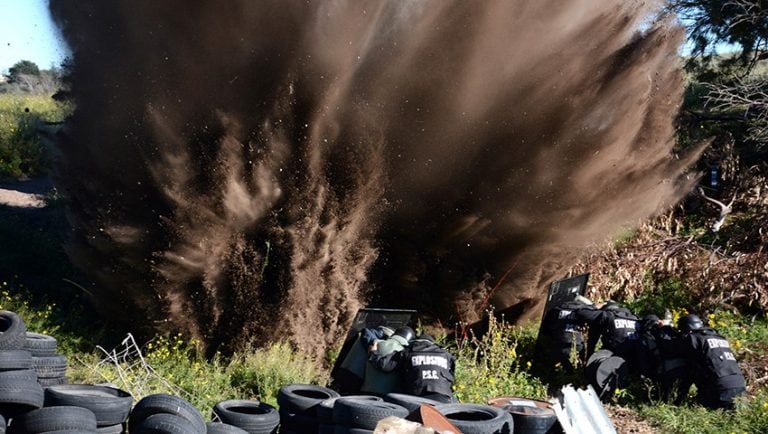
24	194
626	421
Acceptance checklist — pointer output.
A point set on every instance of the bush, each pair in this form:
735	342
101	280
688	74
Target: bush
489	366
22	153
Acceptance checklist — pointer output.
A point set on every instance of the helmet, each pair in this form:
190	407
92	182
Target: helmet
405	332
689	322
611	305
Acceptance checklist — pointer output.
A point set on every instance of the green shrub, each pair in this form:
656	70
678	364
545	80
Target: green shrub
489	366
22	152
261	373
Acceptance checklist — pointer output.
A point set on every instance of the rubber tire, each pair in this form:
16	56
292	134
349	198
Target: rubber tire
325	428
357	413
532	420
111	429
478	418
410	402
345	430
55	381
62	418
15	359
50	366
170	404
302	398
13	331
325	408
223	428
298	422
19	374
166	423
19	395
253	416
110	405
40	345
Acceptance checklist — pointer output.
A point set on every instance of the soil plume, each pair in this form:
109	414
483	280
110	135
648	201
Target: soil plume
266	168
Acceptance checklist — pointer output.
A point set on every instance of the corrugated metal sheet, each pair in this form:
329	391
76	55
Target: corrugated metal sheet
581	412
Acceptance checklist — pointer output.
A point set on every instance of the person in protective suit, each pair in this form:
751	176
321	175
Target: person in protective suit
613	325
715	371
560	335
662	360
376	381
426	369
617	329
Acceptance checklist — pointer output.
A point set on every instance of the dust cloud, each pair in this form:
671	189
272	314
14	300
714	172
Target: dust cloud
266	168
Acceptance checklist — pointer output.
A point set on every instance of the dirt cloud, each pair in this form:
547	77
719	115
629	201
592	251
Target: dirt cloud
266	168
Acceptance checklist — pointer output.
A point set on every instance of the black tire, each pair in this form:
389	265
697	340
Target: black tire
302	398
357	413
13	332
166	423
69	431
55	381
410	402
40	345
50	366
19	395
298	422
63	418
325	428
111	429
223	428
530	418
19	374
478	418
110	405
170	404
345	430
253	416
15	359
324	410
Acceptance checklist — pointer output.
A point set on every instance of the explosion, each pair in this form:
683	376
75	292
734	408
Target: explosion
266	168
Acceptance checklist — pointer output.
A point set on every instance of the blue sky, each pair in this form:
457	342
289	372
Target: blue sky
27	33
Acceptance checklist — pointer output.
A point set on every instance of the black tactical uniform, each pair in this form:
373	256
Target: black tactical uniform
662	358
615	326
716	372
426	369
560	334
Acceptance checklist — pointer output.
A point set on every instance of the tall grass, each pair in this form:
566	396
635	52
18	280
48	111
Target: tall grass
22	154
493	365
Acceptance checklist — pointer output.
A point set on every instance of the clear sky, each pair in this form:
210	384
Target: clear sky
27	33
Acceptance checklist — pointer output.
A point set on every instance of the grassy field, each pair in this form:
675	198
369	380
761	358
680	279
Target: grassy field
495	365
21	152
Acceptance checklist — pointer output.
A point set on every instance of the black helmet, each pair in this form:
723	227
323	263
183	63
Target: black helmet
611	305
405	332
689	322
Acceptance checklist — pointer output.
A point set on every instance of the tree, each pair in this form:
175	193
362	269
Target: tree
730	93
741	23
23	67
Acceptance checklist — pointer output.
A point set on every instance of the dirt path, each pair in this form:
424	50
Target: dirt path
25	194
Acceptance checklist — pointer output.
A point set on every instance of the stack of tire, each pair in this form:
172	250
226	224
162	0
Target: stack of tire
169	414
19	390
478	418
531	416
109	405
326	422
50	366
298	405
239	416
355	415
